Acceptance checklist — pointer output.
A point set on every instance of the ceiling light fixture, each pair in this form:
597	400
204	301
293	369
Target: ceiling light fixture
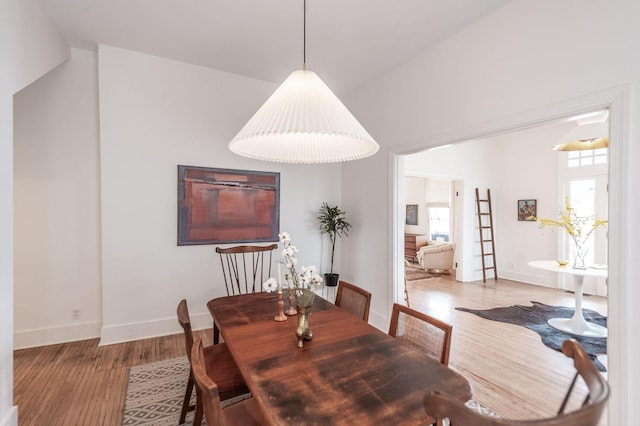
303	121
585	136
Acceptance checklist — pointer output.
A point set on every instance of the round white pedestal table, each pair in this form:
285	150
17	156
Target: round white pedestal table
576	324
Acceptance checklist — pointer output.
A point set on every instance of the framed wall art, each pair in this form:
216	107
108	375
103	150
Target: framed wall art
527	210
412	214
218	206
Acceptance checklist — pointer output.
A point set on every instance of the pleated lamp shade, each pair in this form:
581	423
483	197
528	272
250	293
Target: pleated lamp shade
585	136
303	122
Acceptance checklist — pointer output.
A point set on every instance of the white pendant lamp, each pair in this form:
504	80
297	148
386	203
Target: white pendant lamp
303	121
585	136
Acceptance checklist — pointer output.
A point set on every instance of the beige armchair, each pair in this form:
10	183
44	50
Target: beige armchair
436	256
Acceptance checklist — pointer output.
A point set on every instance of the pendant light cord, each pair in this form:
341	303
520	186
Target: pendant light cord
304	36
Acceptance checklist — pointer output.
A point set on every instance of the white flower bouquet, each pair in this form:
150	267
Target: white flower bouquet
301	285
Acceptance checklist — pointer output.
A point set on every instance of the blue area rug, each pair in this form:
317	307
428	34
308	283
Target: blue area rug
535	318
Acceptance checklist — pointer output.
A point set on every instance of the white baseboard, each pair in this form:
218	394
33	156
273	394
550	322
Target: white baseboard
470	276
52	335
108	335
11	419
527	278
381	322
121	333
592	285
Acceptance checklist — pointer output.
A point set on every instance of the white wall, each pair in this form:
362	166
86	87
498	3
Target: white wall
156	114
525	56
529	170
31	44
57	209
8	413
29	47
366	250
74	192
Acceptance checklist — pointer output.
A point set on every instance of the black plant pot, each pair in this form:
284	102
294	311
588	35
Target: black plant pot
331	280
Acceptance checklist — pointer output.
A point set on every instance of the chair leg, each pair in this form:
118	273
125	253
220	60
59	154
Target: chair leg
197	418
216	334
187	398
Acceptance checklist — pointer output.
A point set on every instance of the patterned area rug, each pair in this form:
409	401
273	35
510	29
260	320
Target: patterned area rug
475	406
485	411
155	392
415	272
535	318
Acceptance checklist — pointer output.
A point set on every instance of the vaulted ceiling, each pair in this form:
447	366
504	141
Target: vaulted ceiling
349	42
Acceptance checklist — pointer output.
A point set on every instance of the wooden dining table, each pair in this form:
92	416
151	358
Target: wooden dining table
350	373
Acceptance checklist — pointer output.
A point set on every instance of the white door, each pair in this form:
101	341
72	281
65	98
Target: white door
585	182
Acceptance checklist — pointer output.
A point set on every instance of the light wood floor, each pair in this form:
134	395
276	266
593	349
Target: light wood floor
509	368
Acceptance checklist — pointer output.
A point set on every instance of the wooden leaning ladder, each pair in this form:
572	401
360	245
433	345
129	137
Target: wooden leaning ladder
485	226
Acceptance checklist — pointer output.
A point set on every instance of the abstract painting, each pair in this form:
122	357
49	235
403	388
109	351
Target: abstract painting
218	206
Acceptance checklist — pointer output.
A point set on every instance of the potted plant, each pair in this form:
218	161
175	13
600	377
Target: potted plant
333	223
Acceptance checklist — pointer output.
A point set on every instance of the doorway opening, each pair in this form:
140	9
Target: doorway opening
615	100
516	165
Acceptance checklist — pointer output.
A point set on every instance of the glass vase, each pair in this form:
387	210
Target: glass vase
303	332
291	310
581	249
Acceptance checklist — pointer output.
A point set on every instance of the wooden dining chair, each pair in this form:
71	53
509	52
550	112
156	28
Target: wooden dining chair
428	335
582	405
220	366
245	268
353	299
245	412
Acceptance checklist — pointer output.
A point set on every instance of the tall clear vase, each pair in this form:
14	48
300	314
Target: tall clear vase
291	310
581	249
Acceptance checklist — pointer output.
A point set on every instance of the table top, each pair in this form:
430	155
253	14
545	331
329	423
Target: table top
552	265
350	373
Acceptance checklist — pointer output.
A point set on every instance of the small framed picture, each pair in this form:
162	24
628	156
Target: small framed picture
412	214
527	210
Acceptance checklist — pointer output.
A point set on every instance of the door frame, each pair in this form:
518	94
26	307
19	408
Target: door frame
617	100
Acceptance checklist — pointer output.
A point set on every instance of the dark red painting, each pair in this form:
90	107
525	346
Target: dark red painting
217	206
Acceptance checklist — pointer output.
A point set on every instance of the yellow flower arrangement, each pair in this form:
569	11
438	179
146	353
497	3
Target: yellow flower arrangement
579	228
